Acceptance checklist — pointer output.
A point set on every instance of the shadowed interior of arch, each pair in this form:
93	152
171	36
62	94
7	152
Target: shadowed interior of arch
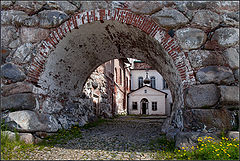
68	67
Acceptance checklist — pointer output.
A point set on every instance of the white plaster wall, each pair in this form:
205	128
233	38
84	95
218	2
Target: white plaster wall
152	96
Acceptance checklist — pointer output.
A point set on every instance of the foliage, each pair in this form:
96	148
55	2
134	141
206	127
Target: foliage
12	149
207	149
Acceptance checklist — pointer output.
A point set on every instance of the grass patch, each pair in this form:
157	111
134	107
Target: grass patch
207	149
14	149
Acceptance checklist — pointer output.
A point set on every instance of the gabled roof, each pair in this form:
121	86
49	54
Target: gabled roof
148	87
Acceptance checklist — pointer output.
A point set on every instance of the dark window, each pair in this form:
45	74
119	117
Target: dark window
116	76
154	106
153	82
165	85
134	105
120	76
140	82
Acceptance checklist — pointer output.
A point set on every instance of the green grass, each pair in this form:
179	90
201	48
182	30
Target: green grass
207	149
14	149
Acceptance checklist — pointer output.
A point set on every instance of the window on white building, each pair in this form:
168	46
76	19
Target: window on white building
153	82
140	82
134	105
165	85
154	106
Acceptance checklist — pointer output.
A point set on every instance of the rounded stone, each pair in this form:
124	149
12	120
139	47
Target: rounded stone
170	18
51	18
226	37
201	96
12	72
23	101
8	34
232	57
215	74
206	19
229	95
191	38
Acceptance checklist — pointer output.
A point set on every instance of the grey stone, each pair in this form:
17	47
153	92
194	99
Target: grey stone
13	17
49	106
8	34
24	53
229	95
25	101
236	74
170	18
191	38
52	18
15	43
201	96
30	7
31	21
145	7
90	5
226	37
189	139
66	6
196	5
200	58
15	88
12	72
171	134
215	74
206	19
33	35
232	57
211	120
233	135
30	121
27	138
231	19
37	140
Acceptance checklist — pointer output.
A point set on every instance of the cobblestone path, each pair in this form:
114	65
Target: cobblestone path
123	138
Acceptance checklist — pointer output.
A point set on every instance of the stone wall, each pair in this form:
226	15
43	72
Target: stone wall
195	46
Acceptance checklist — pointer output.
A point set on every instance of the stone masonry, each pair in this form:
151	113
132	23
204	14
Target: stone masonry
50	49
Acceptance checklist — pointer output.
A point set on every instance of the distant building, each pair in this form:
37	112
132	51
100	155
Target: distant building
149	91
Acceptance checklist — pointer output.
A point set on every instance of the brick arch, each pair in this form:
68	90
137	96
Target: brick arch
144	23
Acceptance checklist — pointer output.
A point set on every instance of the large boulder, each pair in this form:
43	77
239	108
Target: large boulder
215	74
23	101
170	18
201	96
201	58
210	120
232	57
187	140
12	72
229	95
15	88
27	138
226	37
52	18
33	35
30	121
191	38
206	19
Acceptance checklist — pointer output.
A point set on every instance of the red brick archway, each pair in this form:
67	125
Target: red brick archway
144	23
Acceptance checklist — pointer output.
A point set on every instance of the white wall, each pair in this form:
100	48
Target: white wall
152	96
159	84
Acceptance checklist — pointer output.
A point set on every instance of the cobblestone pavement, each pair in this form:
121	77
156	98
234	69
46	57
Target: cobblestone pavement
123	138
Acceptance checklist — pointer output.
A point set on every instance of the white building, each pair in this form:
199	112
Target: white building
148	96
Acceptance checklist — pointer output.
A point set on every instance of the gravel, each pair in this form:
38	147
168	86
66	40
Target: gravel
123	138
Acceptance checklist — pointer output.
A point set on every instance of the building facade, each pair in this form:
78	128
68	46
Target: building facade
153	97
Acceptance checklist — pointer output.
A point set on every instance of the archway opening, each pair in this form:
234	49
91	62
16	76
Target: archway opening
82	50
